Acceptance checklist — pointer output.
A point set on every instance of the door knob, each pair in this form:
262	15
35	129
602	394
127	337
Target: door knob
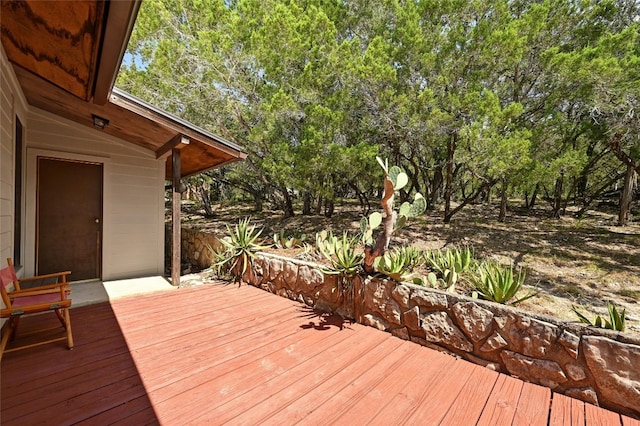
97	220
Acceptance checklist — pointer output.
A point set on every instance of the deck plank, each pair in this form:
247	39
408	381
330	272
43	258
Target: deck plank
326	363
423	400
597	416
385	359
533	406
501	405
628	421
218	354
467	407
366	396
566	411
435	403
233	378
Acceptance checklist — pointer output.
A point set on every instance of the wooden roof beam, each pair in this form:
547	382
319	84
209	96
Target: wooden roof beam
179	141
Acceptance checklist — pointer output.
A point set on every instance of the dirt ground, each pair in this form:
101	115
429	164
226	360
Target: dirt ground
570	262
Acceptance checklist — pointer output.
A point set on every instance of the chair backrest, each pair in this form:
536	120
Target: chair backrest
7	277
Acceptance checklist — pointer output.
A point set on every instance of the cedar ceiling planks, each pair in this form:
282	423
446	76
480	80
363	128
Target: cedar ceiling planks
66	55
57	40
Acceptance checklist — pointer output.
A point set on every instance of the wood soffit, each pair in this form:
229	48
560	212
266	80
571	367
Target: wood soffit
66	55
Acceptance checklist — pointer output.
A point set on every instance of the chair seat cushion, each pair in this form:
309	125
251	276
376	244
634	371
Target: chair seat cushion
36	300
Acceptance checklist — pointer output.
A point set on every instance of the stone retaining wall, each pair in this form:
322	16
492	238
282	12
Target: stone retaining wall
195	250
594	365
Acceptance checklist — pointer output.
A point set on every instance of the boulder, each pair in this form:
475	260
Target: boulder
542	371
615	367
528	336
430	301
440	329
474	320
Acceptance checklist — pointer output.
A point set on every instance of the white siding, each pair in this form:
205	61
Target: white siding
133	217
12	103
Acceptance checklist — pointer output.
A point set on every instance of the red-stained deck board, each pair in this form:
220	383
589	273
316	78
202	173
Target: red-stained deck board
361	397
383	361
598	416
289	384
219	354
416	404
471	400
134	412
566	411
628	421
501	405
435	403
225	381
533	406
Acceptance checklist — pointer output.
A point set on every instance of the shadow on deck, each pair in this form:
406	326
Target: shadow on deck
222	353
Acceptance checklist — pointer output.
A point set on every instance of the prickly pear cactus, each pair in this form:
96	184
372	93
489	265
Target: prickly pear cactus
395	179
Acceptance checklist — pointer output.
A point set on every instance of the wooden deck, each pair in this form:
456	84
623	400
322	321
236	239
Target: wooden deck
220	354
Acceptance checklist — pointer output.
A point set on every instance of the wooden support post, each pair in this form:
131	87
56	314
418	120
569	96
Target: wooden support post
175	218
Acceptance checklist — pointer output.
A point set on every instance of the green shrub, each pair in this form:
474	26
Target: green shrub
499	284
616	321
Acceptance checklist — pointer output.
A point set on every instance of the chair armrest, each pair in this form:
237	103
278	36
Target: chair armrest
53	288
42	277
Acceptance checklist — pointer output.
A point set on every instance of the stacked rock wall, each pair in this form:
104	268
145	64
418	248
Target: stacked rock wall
196	247
594	365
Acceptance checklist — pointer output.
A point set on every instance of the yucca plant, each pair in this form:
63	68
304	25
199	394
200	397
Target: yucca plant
499	284
238	249
616	321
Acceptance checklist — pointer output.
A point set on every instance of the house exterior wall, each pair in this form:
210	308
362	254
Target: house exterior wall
133	193
133	185
12	104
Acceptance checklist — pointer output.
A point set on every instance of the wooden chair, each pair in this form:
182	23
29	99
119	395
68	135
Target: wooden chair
40	298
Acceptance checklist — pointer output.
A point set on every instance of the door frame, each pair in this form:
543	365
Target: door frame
31	201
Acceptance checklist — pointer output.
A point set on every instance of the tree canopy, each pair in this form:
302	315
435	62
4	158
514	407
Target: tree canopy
532	98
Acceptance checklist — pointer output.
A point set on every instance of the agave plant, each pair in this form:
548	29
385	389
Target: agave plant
616	321
325	242
499	284
238	248
447	265
343	254
398	263
281	240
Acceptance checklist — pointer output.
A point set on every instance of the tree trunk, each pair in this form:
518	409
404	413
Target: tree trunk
557	197
598	193
470	199
448	189
532	202
436	186
328	207
364	202
503	201
306	203
627	195
288	203
205	200
318	207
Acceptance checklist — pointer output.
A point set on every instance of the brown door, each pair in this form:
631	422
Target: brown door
69	218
